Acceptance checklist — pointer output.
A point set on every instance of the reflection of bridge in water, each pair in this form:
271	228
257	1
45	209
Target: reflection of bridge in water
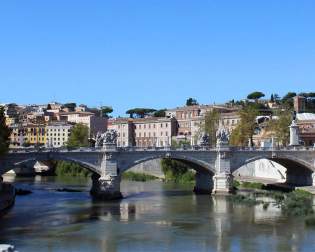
214	167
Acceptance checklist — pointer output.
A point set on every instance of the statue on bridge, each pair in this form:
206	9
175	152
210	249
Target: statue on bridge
109	137
222	135
204	140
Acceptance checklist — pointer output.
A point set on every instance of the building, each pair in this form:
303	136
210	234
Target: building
299	104
306	123
229	120
191	120
27	135
144	132
125	131
154	131
57	134
94	123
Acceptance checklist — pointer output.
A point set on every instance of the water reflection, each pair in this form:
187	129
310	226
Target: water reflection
152	217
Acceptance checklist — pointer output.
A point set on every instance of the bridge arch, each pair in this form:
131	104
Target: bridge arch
196	164
298	172
85	165
204	170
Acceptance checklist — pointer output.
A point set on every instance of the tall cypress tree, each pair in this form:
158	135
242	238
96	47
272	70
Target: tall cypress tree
5	132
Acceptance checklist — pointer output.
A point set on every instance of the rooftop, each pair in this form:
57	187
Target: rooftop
305	116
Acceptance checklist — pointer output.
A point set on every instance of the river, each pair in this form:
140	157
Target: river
153	216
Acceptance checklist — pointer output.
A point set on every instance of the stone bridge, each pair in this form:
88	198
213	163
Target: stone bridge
214	167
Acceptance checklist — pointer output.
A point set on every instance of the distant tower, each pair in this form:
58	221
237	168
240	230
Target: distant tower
299	103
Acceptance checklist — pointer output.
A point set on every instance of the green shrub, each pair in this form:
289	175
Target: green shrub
133	176
177	171
252	185
65	168
297	203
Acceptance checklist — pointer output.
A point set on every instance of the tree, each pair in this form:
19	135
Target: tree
243	133
71	106
79	136
287	100
139	112
255	95
5	132
159	113
211	125
191	102
280	127
272	99
105	110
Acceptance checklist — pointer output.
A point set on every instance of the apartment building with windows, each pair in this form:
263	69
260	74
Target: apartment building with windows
57	134
192	118
154	131
27	134
125	131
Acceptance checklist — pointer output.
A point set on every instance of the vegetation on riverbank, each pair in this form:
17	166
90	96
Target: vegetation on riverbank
295	203
133	176
64	168
177	171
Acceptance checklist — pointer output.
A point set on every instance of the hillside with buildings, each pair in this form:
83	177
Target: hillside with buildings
50	124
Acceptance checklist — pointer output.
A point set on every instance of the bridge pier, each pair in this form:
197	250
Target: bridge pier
223	179
204	183
105	188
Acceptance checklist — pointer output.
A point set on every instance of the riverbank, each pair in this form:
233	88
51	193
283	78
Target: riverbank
7	196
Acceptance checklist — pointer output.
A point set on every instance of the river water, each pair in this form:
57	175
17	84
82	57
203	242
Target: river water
153	216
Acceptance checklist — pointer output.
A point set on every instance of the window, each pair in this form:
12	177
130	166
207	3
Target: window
161	125
144	134
166	133
161	133
166	125
144	126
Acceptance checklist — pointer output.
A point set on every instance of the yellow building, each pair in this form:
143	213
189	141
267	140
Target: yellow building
30	134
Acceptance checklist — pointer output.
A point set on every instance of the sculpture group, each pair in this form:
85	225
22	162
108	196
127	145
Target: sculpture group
109	137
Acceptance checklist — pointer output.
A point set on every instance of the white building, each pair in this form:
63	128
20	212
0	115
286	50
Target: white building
57	134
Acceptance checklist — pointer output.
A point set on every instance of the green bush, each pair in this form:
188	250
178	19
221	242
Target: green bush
133	176
177	171
252	185
297	203
65	168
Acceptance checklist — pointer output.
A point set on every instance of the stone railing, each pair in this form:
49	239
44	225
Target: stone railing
165	148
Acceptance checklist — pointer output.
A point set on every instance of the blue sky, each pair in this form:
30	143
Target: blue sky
154	53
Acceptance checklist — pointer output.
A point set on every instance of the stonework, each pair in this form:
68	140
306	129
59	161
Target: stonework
213	168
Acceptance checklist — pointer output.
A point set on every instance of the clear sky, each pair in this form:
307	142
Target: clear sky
154	53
